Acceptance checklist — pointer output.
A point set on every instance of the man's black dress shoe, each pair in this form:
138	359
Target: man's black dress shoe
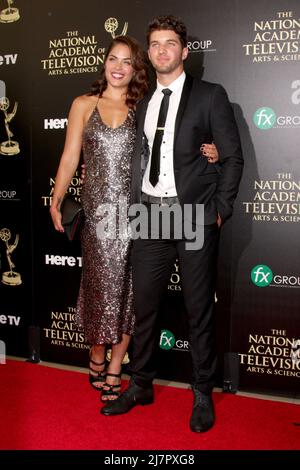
132	396
203	416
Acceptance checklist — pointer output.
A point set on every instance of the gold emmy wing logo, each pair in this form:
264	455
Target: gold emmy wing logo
111	25
9	147
10	14
10	278
125	360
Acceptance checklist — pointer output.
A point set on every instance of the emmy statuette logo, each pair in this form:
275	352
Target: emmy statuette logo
112	24
9	147
10	14
10	278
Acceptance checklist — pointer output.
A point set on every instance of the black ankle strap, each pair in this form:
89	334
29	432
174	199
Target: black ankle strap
97	363
113	375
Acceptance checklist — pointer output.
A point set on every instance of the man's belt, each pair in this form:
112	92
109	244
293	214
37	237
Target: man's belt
163	201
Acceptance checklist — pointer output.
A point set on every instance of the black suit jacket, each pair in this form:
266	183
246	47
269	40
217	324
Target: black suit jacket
204	115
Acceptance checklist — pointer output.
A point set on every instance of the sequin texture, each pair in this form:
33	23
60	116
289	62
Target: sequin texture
105	300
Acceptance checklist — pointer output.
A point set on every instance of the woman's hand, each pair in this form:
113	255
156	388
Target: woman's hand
56	219
210	152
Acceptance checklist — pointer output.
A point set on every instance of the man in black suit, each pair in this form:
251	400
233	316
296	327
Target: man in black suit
196	112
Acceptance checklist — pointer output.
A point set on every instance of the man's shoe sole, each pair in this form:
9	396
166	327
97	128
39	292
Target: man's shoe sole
106	412
199	429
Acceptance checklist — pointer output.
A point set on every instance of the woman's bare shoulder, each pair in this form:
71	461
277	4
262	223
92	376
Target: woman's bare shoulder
85	101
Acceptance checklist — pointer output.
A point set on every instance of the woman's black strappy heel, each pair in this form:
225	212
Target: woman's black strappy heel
112	392
96	377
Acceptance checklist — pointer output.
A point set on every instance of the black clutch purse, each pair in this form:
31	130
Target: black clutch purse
71	215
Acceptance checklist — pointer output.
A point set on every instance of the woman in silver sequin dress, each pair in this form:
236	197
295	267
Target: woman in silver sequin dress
102	124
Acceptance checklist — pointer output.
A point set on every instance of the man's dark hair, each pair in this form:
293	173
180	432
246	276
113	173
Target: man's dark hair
171	23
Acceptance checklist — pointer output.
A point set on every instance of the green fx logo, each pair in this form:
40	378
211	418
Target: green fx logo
261	275
264	118
167	339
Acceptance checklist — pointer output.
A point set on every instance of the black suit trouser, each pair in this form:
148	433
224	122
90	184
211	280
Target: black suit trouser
152	262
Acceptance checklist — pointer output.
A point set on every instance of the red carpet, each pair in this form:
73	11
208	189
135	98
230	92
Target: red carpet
46	408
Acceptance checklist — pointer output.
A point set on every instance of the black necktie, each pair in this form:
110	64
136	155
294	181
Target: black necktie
155	156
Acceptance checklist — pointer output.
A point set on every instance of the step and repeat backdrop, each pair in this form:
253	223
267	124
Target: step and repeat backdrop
51	52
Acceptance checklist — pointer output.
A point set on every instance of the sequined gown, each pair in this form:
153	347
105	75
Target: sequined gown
105	300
